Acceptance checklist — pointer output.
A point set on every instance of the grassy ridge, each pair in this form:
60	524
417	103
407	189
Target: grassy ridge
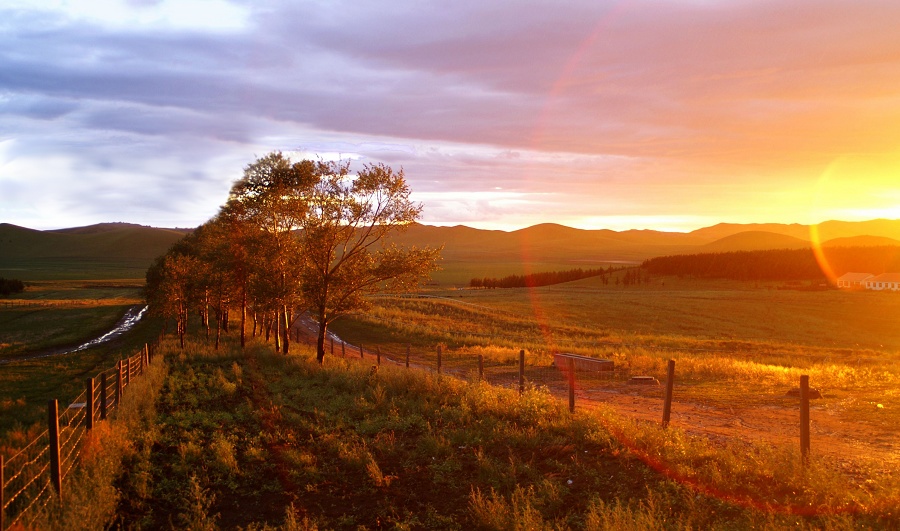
114	250
256	440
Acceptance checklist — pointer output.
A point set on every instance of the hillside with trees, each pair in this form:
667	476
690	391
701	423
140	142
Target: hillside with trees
547	278
778	265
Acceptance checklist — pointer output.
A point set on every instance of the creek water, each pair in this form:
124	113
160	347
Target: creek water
132	316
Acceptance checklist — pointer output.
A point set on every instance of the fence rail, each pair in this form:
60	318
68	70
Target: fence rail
35	475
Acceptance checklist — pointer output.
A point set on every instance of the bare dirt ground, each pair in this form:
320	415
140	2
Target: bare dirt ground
842	441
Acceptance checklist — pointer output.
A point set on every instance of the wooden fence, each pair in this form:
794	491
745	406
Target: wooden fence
563	378
36	474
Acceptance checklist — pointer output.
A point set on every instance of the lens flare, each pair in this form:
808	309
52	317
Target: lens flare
853	188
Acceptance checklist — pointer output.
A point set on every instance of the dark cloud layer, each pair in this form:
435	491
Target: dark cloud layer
507	112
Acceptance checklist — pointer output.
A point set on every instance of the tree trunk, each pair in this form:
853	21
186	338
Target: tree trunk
205	313
286	340
277	332
218	327
267	326
244	317
320	341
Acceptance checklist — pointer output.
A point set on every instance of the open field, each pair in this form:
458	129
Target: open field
738	350
55	315
58	314
255	440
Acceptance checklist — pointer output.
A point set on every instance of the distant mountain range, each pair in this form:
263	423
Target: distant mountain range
121	250
554	243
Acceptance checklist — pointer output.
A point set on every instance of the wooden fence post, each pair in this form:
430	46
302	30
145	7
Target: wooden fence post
103	396
521	371
407	356
481	366
119	386
2	498
804	417
378	355
439	359
89	404
127	371
140	369
361	351
53	430
670	384
570	364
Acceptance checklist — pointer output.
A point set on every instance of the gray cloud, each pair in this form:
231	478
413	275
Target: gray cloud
582	99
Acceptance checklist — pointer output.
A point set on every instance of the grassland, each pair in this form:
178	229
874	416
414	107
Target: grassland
738	347
53	315
255	440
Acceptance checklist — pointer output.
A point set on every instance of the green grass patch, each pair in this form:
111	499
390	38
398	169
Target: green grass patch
255	440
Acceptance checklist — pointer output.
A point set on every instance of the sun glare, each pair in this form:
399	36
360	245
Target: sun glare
855	187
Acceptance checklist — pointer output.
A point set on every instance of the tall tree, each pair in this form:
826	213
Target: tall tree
345	249
273	197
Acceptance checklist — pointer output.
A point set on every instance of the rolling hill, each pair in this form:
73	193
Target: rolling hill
122	250
108	250
754	240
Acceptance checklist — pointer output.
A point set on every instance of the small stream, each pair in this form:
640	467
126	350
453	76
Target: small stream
132	316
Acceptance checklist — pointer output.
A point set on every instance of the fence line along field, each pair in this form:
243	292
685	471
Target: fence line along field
726	387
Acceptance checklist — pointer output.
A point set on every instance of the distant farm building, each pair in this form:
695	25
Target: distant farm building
885	281
853	280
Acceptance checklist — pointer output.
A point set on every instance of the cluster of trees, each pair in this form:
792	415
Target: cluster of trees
534	280
634	276
293	238
8	286
777	265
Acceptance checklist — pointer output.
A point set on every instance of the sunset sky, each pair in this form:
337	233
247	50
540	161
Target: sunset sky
667	114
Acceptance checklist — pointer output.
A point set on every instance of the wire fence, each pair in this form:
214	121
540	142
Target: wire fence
580	379
34	475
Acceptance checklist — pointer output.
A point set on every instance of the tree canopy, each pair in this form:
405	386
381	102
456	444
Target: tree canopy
308	237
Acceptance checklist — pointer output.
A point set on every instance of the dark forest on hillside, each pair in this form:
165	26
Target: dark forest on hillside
534	280
781	264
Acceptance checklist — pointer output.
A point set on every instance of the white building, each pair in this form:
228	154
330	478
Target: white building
853	280
885	281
